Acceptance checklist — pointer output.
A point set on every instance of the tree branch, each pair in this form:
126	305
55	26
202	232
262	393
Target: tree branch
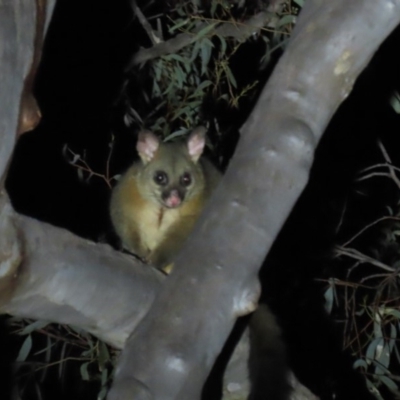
66	279
19	23
143	21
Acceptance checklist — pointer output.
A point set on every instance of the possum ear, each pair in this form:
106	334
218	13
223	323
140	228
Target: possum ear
147	145
196	143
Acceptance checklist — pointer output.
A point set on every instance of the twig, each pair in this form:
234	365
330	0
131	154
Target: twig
155	39
383	165
353	253
367	227
109	158
389	162
339	225
372	174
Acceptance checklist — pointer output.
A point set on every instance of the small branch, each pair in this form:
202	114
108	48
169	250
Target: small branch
373	277
70	280
143	21
355	254
389	164
367	227
380	165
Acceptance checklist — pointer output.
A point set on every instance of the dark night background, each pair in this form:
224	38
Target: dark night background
87	46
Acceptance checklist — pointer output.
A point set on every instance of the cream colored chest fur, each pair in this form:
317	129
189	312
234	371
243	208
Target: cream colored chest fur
153	224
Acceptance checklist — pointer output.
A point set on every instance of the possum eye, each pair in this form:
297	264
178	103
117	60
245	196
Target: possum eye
161	178
186	179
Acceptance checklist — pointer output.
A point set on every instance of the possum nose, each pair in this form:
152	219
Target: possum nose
173	199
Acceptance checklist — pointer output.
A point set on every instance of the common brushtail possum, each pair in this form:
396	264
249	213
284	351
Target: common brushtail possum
157	201
153	209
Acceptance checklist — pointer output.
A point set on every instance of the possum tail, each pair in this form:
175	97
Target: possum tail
269	372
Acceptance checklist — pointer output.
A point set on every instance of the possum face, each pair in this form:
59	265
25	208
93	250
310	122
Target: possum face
170	173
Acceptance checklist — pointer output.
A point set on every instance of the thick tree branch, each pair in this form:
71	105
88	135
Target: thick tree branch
19	24
67	279
170	354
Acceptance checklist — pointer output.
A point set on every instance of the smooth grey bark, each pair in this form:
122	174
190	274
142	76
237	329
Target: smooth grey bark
17	35
66	279
171	352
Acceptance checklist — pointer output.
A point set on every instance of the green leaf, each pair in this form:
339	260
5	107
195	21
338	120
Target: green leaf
195	50
104	377
393	336
286	20
170	88
380	369
391	311
300	3
176	57
102	394
389	383
199	92
395	102
205	54
396	351
384	356
178	25
374	348
230	77
158	69
33	327
104	356
180	76
223	45
204	31
25	349
179	133
84	371
360	363
214	5
372	388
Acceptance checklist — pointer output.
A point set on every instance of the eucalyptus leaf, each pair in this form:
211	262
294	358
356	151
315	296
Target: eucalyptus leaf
285	20
300	3
230	77
374	348
204	31
84	371
33	327
178	25
389	383
395	102
25	349
104	355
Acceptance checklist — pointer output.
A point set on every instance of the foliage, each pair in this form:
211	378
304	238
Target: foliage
211	67
50	351
368	298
